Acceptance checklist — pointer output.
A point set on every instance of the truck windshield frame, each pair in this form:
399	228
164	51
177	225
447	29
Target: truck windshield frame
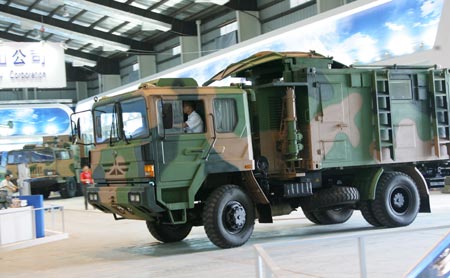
129	122
30	156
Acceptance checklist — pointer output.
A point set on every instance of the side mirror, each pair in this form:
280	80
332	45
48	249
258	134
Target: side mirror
78	129
75	131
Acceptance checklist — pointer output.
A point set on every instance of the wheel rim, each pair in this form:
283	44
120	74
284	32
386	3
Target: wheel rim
400	199
234	217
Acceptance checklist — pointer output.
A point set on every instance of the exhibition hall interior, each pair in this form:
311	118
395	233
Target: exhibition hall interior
247	138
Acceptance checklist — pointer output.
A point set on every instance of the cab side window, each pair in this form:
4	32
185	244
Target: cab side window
225	115
170	117
173	116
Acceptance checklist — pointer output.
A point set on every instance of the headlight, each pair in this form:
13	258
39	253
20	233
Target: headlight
134	197
93	197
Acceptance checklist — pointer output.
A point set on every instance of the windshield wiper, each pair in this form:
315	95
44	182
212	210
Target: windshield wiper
121	132
113	126
117	125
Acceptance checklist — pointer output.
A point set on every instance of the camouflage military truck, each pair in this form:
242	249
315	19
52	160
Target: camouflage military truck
52	167
307	133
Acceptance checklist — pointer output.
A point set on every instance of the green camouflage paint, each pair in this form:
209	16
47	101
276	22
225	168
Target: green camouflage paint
336	120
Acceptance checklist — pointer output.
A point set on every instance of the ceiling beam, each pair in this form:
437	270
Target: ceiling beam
98	21
33	5
118	27
67	27
242	5
75	17
186	28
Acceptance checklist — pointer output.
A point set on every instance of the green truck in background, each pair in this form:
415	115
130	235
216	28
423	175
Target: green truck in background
52	166
308	133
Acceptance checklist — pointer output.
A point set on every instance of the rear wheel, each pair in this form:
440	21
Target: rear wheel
366	211
168	232
333	216
229	216
311	217
396	200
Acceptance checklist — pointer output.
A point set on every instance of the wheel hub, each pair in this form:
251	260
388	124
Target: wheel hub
399	200
234	216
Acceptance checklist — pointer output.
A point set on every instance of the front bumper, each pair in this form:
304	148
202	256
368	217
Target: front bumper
130	202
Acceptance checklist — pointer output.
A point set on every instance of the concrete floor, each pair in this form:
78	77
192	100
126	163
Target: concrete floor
99	246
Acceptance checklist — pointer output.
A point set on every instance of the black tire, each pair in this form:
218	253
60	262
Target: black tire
396	201
69	190
366	211
228	217
44	192
311	217
79	191
333	216
168	232
333	197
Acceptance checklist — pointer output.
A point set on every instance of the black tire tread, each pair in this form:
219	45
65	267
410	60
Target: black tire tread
334	197
366	211
311	217
70	189
209	214
329	217
378	208
160	232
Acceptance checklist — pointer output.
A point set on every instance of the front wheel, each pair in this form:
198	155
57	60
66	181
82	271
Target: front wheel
69	189
229	216
396	200
168	232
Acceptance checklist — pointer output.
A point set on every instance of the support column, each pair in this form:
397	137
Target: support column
81	90
323	6
25	94
147	65
199	36
107	82
248	25
189	48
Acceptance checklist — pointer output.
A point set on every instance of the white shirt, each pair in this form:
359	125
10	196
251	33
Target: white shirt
7	185
195	123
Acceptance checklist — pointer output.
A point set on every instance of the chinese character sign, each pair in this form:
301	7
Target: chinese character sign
32	65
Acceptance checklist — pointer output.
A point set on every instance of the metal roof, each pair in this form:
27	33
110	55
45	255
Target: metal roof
106	30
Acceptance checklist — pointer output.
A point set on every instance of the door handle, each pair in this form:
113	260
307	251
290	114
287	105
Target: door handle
194	151
342	125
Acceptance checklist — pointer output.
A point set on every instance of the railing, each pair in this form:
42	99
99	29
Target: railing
18	226
266	266
53	226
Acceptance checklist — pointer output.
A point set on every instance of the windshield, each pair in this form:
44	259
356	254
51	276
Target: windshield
30	156
121	120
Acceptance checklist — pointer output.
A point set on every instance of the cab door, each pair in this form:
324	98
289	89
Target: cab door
180	154
231	149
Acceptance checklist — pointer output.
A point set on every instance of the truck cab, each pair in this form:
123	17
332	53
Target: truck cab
50	169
